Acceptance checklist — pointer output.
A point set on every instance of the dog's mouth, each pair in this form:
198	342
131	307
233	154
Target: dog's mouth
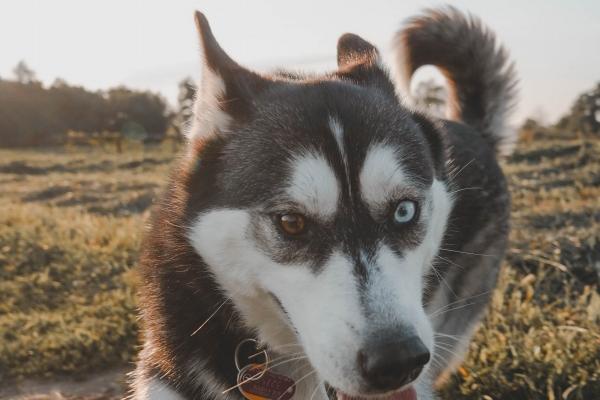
405	394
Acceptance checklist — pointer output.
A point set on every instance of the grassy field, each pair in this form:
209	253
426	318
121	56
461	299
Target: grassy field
70	228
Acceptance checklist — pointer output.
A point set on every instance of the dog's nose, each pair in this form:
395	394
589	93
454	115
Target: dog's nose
391	364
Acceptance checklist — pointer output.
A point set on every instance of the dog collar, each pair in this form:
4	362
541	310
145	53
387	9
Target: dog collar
257	381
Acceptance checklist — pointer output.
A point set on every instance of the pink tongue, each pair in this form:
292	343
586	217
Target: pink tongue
407	394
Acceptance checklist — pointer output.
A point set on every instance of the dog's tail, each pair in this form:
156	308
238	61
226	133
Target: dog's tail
481	79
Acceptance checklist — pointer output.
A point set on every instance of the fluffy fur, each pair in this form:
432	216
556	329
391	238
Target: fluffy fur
481	78
340	149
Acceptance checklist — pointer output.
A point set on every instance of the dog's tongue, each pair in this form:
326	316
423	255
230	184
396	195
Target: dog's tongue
407	394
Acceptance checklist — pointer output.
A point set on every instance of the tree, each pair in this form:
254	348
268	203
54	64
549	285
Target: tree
584	117
431	97
33	115
136	114
23	73
185	106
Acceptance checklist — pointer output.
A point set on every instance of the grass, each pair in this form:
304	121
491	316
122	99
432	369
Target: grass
541	336
69	239
70	230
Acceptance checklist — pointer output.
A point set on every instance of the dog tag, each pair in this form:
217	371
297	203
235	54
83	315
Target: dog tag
257	384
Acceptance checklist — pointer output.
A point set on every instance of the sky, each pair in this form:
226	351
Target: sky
152	44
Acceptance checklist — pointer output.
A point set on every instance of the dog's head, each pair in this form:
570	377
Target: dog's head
322	208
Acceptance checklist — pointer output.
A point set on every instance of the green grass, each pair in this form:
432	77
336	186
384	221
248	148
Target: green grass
70	229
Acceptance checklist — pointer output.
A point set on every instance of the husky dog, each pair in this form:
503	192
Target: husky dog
352	239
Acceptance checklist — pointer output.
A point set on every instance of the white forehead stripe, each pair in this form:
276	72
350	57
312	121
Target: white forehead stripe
381	175
338	133
314	185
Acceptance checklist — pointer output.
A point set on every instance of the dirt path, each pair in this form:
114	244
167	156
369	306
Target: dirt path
108	385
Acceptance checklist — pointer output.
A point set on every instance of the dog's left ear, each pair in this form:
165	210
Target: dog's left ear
226	91
352	50
359	61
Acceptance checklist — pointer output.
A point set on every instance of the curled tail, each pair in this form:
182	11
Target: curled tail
481	79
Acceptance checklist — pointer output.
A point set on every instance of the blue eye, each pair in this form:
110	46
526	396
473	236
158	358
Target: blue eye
405	212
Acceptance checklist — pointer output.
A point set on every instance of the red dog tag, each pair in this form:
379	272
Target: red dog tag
257	384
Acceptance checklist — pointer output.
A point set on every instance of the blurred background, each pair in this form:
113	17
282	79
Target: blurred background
95	96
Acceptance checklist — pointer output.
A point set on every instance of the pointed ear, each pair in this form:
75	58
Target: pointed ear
359	61
352	50
226	91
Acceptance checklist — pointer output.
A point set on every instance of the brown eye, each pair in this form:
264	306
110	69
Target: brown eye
292	224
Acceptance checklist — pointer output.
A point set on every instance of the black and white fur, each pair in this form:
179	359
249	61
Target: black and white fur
340	149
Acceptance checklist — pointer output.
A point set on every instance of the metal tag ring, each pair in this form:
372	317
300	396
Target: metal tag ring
237	355
254	377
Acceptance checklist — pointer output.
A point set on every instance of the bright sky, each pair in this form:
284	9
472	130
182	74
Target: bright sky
152	44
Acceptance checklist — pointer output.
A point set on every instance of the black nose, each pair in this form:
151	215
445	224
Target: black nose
391	364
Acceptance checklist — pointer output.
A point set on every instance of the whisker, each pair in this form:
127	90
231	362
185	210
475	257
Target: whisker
462	169
440	359
467	253
211	316
453	309
444	335
302	366
446	349
442	280
317	386
299	380
450	261
437	363
447	341
278	358
270	367
467	188
445	306
283	357
282	346
275	348
439	310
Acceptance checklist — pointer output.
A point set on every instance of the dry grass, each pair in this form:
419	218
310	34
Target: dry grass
541	338
70	231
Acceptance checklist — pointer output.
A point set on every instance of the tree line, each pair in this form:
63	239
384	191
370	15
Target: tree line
34	115
582	120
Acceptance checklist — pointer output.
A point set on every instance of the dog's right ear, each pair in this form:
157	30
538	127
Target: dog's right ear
226	90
